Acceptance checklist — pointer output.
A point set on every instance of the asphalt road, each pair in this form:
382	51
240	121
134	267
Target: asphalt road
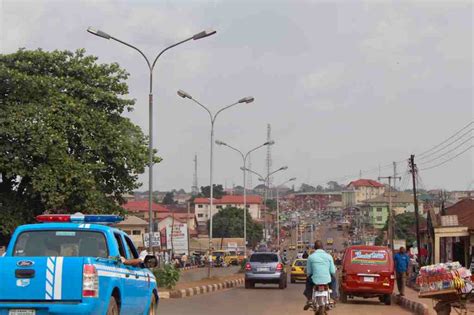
265	300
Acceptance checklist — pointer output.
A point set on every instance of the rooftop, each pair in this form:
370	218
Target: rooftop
365	183
397	197
464	209
142	206
231	199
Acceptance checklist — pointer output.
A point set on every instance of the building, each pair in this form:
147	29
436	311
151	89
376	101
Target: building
314	200
377	207
135	228
202	206
139	208
366	189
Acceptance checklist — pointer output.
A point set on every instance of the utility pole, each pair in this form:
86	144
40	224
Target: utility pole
394	175
413	171
390	213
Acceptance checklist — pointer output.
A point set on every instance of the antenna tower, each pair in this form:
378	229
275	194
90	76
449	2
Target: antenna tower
269	156
194	189
249	175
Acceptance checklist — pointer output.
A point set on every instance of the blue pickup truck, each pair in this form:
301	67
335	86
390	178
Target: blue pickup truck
70	264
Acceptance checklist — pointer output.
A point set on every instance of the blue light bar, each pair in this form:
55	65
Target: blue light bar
102	218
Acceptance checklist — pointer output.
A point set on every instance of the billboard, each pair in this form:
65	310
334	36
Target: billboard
155	240
179	237
369	257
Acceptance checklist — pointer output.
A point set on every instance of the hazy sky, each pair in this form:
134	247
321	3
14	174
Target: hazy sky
345	85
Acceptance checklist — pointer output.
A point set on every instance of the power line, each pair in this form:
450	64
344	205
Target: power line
446	161
446	153
440	144
448	145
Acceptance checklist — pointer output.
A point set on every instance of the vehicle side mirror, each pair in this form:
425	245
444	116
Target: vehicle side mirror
150	261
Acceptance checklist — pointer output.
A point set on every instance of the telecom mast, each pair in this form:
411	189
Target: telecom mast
195	189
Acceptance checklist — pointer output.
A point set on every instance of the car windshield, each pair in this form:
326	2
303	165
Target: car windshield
65	243
264	258
218	254
300	263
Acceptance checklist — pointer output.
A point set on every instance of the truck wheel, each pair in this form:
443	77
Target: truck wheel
113	307
153	306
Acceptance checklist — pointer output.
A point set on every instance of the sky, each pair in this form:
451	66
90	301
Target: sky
347	86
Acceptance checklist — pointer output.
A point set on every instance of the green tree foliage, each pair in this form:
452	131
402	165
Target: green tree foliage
169	199
307	188
64	145
404	226
229	222
218	191
167	276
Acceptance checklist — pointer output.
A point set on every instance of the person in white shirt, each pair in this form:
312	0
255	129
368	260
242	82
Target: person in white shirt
135	261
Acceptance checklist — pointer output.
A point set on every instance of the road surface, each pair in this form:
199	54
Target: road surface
265	300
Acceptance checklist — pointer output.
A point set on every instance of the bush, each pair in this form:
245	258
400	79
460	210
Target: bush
167	276
242	264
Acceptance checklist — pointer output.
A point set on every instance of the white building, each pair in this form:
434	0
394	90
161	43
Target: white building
366	189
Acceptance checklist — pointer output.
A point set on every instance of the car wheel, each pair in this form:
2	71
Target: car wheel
343	297
153	306
281	284
387	299
249	284
113	308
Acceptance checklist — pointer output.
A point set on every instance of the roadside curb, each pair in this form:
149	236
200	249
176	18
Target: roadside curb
189	268
177	294
413	306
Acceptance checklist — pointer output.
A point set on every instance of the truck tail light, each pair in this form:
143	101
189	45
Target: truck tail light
279	267
90	281
248	267
392	277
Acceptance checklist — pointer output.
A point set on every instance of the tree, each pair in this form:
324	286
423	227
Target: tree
307	188
218	191
334	186
229	222
64	145
168	199
404	228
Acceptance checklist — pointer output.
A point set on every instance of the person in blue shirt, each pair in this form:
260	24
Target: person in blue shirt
401	260
320	269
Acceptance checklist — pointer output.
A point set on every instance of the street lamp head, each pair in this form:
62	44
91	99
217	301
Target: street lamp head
98	33
271	142
204	34
248	99
283	168
184	94
243	169
292	179
218	142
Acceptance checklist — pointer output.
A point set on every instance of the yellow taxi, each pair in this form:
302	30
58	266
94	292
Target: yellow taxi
329	241
292	247
298	270
231	258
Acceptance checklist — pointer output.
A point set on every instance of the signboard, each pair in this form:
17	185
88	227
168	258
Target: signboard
179	237
155	240
399	243
369	257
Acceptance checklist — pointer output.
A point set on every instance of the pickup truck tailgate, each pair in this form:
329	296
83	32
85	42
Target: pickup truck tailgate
41	278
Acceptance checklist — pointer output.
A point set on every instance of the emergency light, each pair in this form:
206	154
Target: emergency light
79	218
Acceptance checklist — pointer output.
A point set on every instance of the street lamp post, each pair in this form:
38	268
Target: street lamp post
151	66
212	117
278	208
265	180
244	159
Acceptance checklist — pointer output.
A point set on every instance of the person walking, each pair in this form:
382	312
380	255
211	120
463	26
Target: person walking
402	261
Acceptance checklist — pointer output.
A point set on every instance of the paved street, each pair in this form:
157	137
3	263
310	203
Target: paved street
201	273
265	300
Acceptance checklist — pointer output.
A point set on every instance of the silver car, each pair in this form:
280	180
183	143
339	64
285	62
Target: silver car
265	267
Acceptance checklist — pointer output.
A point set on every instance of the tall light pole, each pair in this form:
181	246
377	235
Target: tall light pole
244	160
151	66
278	208
212	117
265	180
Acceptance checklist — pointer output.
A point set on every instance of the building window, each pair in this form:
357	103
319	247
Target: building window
199	206
136	232
200	215
219	207
379	218
379	209
127	231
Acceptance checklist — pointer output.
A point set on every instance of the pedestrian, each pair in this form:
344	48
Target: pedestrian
184	260
305	255
401	260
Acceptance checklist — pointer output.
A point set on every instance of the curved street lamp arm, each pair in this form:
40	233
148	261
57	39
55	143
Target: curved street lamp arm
167	48
133	47
236	150
253	172
208	111
256	148
224	108
280	169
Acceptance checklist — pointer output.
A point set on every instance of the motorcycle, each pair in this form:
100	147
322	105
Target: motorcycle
321	302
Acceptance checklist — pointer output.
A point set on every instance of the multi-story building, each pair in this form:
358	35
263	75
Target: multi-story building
315	200
202	206
366	189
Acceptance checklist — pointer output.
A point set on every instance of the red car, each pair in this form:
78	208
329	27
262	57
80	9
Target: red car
367	271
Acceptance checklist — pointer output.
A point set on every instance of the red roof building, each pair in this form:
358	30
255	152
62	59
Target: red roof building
366	189
140	208
464	209
364	183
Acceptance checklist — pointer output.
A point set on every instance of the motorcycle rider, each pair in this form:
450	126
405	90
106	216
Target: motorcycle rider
320	269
